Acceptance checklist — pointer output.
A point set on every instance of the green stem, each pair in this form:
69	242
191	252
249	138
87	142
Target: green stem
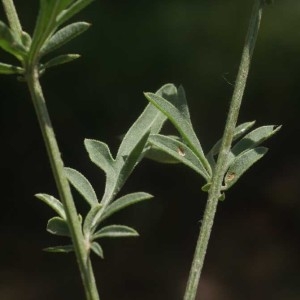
216	186
12	17
81	249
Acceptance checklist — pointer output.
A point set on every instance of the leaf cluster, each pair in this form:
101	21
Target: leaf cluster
49	34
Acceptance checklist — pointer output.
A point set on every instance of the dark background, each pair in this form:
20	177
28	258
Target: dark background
135	46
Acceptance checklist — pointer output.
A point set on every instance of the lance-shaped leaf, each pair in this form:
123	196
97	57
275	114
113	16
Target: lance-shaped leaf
100	155
241	164
9	43
60	249
124	202
58	226
59	60
182	124
63	36
72	10
10	69
115	231
124	167
54	203
151	120
90	220
82	185
97	249
181	103
181	152
252	139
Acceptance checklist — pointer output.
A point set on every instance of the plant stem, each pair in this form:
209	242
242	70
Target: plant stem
221	166
12	16
82	252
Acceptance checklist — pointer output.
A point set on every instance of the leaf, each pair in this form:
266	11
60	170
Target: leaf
60	249
252	139
181	103
9	43
181	152
90	221
124	167
58	226
100	155
182	125
241	164
72	10
115	231
59	60
97	249
124	202
10	69
82	185
63	36
54	203
151	120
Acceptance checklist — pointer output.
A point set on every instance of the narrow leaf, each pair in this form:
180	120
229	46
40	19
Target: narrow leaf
9	43
54	203
82	185
60	249
252	139
182	125
10	69
63	36
97	249
181	152
59	60
241	164
124	202
114	231
100	155
90	220
58	226
181	104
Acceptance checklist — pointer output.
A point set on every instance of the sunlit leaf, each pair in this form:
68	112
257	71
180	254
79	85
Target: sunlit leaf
97	249
82	185
59	60
54	203
58	226
60	249
10	69
90	220
115	231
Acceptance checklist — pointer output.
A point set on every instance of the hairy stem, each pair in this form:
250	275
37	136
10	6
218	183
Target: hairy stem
216	186
12	16
81	249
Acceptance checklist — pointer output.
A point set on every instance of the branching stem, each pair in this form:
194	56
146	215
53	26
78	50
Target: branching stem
216	186
62	184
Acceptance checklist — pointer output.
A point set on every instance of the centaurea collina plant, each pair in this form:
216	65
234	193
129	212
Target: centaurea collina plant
221	167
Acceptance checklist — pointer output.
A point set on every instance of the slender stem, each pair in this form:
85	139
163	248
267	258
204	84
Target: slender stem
216	186
56	162
12	16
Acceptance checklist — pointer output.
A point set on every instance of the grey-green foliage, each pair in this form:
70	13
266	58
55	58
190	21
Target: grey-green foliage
49	34
187	148
134	146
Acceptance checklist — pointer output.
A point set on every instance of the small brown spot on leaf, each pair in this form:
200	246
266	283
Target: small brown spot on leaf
229	176
180	151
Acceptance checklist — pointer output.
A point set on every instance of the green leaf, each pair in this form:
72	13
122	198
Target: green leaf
181	152
58	226
90	221
54	203
26	40
97	249
124	202
9	43
10	69
82	185
182	124
252	139
100	155
60	249
241	164
238	132
63	36
72	10
114	231
181	103
59	60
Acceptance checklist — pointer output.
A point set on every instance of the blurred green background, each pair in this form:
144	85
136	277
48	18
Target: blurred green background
135	46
